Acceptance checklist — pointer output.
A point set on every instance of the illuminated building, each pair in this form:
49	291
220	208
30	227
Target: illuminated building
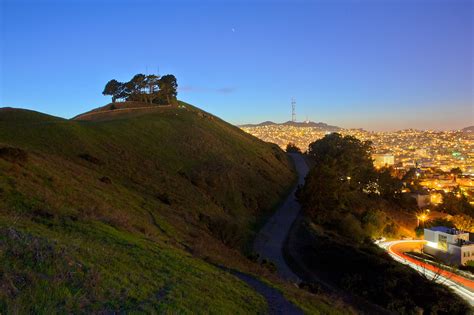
449	245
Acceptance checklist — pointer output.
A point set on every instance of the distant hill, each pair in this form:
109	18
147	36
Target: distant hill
265	123
320	125
133	210
468	129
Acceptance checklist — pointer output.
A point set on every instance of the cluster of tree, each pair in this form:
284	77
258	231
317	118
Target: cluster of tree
292	148
344	175
344	190
463	222
144	88
455	202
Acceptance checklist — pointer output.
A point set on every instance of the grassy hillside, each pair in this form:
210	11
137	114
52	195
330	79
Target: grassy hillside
133	211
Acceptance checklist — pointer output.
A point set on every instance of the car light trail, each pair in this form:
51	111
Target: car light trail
422	268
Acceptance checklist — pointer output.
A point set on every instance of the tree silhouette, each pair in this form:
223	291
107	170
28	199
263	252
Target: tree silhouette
144	88
169	86
112	88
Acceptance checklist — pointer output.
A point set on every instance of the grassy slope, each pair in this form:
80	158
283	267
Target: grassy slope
177	184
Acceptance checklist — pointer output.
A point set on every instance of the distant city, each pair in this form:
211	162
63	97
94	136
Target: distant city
435	154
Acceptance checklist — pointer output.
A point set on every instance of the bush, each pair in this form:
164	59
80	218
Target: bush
373	222
391	229
228	232
468	267
14	155
106	180
350	226
419	231
89	158
164	198
269	265
312	287
253	256
292	148
440	222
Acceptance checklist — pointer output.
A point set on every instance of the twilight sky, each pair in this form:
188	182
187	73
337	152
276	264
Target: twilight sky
378	65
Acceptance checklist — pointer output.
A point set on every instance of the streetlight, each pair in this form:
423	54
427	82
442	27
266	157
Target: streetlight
422	217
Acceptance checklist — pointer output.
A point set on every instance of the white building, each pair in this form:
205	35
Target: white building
449	244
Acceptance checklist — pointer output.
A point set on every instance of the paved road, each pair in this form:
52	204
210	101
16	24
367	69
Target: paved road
269	241
462	286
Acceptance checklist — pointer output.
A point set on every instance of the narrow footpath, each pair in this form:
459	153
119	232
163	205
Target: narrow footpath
269	245
271	238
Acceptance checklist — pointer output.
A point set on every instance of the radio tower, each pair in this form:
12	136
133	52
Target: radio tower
293	110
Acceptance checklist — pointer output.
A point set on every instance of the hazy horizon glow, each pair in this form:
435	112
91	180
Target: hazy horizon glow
377	65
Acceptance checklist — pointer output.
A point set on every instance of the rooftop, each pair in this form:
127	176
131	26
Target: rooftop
446	230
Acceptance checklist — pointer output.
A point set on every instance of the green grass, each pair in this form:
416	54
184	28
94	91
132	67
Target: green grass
131	212
95	267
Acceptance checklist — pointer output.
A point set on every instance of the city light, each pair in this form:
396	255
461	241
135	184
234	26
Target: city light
434	154
423	217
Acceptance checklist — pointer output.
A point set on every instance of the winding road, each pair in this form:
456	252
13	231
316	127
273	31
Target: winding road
460	285
271	238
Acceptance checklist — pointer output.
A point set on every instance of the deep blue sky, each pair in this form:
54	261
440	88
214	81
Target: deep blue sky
379	65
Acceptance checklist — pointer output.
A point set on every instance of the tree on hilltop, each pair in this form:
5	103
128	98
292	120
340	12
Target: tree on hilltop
152	83
112	88
144	88
137	88
169	87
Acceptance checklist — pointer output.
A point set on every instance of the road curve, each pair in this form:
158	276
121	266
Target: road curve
269	241
460	285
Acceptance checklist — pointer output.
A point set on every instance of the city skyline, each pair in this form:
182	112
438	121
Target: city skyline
361	64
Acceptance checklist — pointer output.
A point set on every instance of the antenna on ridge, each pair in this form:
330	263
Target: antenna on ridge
293	109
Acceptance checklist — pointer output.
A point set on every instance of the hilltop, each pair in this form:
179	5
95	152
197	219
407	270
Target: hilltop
320	125
134	210
468	129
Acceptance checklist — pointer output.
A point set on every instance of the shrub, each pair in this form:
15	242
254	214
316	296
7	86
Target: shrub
89	158
419	230
164	198
292	148
391	229
373	222
14	155
269	265
440	222
312	287
350	226
228	232
253	256
106	180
